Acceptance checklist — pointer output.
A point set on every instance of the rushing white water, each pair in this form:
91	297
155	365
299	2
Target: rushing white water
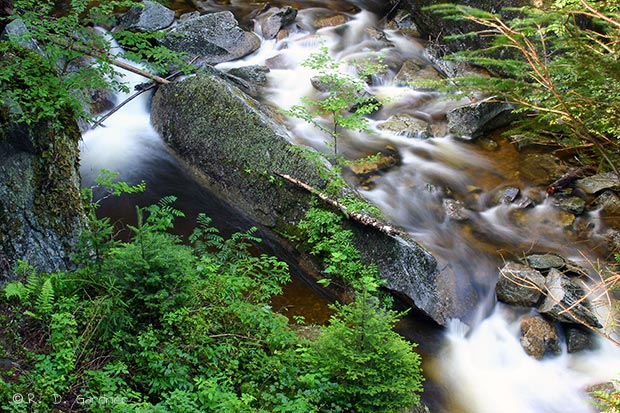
482	366
488	371
126	140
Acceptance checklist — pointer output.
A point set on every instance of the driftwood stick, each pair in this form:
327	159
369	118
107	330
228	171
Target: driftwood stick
356	216
135	95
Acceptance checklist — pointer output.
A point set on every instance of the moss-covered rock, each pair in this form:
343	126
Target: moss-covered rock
237	147
41	212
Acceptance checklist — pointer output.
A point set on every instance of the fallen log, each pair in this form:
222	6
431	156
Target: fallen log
356	216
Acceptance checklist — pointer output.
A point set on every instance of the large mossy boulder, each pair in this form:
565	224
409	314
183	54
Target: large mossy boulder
237	147
41	213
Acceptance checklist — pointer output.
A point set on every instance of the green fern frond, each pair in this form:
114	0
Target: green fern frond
45	300
16	289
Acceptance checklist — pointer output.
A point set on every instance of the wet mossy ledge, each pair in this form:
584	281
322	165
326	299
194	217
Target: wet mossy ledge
41	213
236	145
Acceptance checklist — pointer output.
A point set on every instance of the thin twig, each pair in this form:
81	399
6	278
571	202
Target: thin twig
363	219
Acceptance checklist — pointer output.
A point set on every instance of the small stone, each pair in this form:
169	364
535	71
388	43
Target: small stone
579	339
597	183
330	21
565	293
519	285
380	162
274	19
406	125
455	210
545	261
506	195
539	337
570	204
608	202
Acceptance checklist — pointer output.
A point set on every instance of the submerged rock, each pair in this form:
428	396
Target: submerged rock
214	37
455	209
237	147
540	169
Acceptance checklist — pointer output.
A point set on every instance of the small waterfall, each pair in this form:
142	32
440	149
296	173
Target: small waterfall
126	140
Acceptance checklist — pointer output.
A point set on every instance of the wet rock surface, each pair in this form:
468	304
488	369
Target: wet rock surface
564	293
149	17
519	285
215	38
539	337
545	261
597	183
579	339
274	19
472	121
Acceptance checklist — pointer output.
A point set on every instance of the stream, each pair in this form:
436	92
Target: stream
475	365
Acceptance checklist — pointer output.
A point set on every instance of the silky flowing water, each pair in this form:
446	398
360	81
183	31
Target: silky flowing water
476	364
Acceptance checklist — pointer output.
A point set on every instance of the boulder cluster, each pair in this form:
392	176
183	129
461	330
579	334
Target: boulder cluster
557	292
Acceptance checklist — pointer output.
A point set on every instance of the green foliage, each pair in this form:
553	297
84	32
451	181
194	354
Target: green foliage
374	368
327	239
607	402
143	47
560	65
344	100
48	70
155	325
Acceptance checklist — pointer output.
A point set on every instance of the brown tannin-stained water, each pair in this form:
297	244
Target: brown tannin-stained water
475	365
